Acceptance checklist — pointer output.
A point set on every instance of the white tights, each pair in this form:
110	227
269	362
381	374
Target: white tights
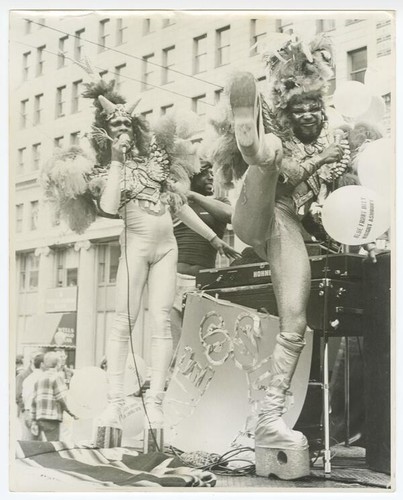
151	252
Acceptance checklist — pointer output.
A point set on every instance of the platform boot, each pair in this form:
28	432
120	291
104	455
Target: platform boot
280	450
256	147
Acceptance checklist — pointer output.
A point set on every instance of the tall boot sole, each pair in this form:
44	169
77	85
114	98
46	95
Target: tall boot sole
242	96
285	464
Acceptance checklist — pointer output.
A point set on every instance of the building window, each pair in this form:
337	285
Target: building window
166	109
147	26
120	31
257	34
66	267
118	77
218	95
357	62
148	70
168	55
283	26
28	27
36	155
40	62
29	271
19	217
75	138
60	101
108	262
58	141
103	34
200	54
38	108
25	65
61	58
199	105
78	45
41	23
147	115
103	73
21	160
323	25
75	96
222	46
23	113
167	21
33	224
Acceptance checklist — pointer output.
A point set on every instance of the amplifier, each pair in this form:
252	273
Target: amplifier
247	274
335	304
340	266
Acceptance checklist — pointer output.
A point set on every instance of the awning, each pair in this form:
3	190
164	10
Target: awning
51	330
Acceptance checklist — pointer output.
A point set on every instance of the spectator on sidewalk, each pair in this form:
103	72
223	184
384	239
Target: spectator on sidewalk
49	399
28	393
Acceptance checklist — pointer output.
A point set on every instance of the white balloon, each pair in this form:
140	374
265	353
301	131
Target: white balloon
374	164
87	395
376	111
335	119
131	380
352	98
355	215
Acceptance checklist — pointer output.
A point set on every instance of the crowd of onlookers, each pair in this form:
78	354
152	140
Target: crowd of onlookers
41	390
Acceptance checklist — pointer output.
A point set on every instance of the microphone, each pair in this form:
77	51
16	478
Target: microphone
126	138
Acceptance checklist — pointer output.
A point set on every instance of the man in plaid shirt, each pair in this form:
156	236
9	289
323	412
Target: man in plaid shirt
49	399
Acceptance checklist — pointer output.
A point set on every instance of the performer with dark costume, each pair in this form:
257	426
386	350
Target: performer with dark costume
194	252
138	180
291	159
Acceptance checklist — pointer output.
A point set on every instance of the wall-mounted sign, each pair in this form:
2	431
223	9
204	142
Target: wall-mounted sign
61	299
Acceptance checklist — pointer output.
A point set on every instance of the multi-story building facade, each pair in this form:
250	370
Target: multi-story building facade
64	282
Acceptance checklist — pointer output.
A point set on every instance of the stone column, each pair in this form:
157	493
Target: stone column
45	255
86	305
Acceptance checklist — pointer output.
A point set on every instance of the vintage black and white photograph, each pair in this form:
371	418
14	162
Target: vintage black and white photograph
201	225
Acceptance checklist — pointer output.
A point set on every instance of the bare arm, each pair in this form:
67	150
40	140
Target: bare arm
218	209
192	220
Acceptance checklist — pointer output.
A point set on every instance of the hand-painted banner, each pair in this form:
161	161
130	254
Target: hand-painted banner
222	369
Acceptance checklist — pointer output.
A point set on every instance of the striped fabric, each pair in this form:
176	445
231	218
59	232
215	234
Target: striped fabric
110	468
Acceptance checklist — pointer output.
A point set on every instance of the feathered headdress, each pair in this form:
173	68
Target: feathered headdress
298	67
109	103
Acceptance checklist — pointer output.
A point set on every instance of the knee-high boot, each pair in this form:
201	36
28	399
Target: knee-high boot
256	147
280	450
